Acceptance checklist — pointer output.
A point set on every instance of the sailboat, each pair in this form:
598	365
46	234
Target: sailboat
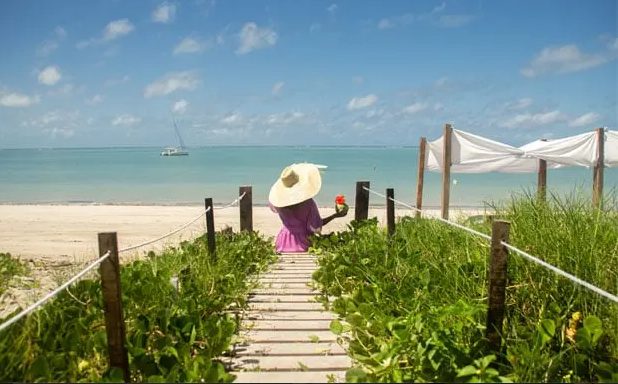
176	151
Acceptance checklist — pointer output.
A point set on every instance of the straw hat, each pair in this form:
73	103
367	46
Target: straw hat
297	183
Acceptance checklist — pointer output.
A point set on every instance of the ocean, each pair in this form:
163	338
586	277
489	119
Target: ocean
142	176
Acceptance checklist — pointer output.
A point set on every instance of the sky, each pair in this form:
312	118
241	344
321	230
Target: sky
304	72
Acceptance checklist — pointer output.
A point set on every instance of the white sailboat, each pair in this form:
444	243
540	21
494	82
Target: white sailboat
176	151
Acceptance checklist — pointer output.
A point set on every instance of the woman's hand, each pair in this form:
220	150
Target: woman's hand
342	212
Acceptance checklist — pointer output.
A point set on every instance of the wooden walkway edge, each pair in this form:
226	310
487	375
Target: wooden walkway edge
285	334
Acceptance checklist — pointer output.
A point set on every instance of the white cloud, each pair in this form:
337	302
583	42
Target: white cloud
358	80
396	21
284	118
584	120
528	120
253	37
180	106
164	13
415	108
519	104
17	100
50	45
332	8
190	45
94	100
116	81
613	45
232	119
385	24
50	75
315	27
362	102
117	28
126	120
564	59
455	21
56	123
439	8
172	82
277	88
438	107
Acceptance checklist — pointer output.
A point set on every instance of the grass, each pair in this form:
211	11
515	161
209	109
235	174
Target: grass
9	268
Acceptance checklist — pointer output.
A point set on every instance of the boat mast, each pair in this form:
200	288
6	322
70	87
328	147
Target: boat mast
182	144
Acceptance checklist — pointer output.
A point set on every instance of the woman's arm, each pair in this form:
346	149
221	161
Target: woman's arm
330	218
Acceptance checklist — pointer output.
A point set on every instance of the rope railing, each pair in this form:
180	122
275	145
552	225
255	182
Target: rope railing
529	257
233	202
53	293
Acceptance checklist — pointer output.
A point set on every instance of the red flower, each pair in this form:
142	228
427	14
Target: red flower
340	200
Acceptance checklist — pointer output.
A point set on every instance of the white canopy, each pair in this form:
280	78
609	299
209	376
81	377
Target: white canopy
475	154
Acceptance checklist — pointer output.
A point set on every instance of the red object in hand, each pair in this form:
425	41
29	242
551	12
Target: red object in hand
340	200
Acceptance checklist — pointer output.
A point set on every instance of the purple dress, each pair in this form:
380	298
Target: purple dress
299	222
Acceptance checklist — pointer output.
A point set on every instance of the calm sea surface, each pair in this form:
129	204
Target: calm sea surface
142	176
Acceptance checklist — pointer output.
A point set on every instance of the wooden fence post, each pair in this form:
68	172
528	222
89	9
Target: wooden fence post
390	211
446	170
112	299
361	204
246	208
210	226
497	283
420	175
541	184
597	178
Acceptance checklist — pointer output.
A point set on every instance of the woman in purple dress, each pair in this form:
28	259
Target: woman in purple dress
292	198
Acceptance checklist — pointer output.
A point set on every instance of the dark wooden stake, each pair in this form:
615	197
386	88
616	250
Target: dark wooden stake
246	208
361	204
597	178
390	211
112	299
446	171
541	184
497	282
420	175
210	226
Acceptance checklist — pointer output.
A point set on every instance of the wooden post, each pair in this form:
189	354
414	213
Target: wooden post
446	171
246	208
112	300
420	175
361	204
597	177
390	211
541	184
210	226
497	283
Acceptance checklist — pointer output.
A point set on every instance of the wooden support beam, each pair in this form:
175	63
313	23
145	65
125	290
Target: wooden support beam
420	175
446	170
497	283
361	204
210	227
541	183
246	208
390	211
597	177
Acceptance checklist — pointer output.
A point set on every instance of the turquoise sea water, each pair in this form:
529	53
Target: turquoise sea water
142	176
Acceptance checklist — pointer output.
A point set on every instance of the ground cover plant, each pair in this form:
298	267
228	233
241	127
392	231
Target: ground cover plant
176	308
413	307
9	268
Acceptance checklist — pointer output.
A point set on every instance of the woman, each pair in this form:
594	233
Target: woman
292	198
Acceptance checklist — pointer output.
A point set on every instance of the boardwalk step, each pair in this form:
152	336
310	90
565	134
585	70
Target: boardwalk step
288	315
287	336
307	298
285	291
322	325
292	363
280	285
270	307
290	349
287	377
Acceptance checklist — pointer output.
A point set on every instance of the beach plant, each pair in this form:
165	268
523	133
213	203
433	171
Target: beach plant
412	306
179	309
10	267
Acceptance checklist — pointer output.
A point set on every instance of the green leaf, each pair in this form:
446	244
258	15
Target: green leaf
156	379
336	327
355	375
468	370
595	327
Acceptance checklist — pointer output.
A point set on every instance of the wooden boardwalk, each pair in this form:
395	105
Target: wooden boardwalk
285	335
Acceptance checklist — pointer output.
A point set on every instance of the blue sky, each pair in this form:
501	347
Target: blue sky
115	73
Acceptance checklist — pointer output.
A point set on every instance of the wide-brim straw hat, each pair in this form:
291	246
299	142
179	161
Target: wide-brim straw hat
297	183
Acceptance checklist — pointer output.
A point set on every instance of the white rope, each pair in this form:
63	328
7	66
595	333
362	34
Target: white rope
233	202
54	292
166	235
573	278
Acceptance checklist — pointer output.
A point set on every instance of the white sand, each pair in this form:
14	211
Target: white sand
68	233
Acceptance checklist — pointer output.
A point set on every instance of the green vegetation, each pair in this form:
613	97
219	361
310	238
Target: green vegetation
10	267
173	335
413	307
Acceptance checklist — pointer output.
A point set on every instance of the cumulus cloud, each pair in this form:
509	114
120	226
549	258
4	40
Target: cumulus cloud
332	8
56	123
584	120
232	119
253	37
180	106
17	100
190	45
277	88
50	45
519	104
112	31
415	108
284	118
362	102
49	75
529	120
564	59
94	100
126	120
164	13
172	82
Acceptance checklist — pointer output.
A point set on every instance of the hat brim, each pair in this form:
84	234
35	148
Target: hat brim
308	186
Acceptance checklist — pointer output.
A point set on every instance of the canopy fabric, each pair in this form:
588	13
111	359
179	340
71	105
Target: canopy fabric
475	154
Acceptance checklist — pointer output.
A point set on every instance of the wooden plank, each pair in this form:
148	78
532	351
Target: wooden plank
283	284
597	177
292	363
497	283
282	298
446	171
290	279
287	336
286	306
289	349
246	208
287	377
361	204
289	315
420	177
322	325
285	291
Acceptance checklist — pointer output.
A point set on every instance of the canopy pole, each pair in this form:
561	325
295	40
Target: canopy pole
421	175
597	177
446	172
